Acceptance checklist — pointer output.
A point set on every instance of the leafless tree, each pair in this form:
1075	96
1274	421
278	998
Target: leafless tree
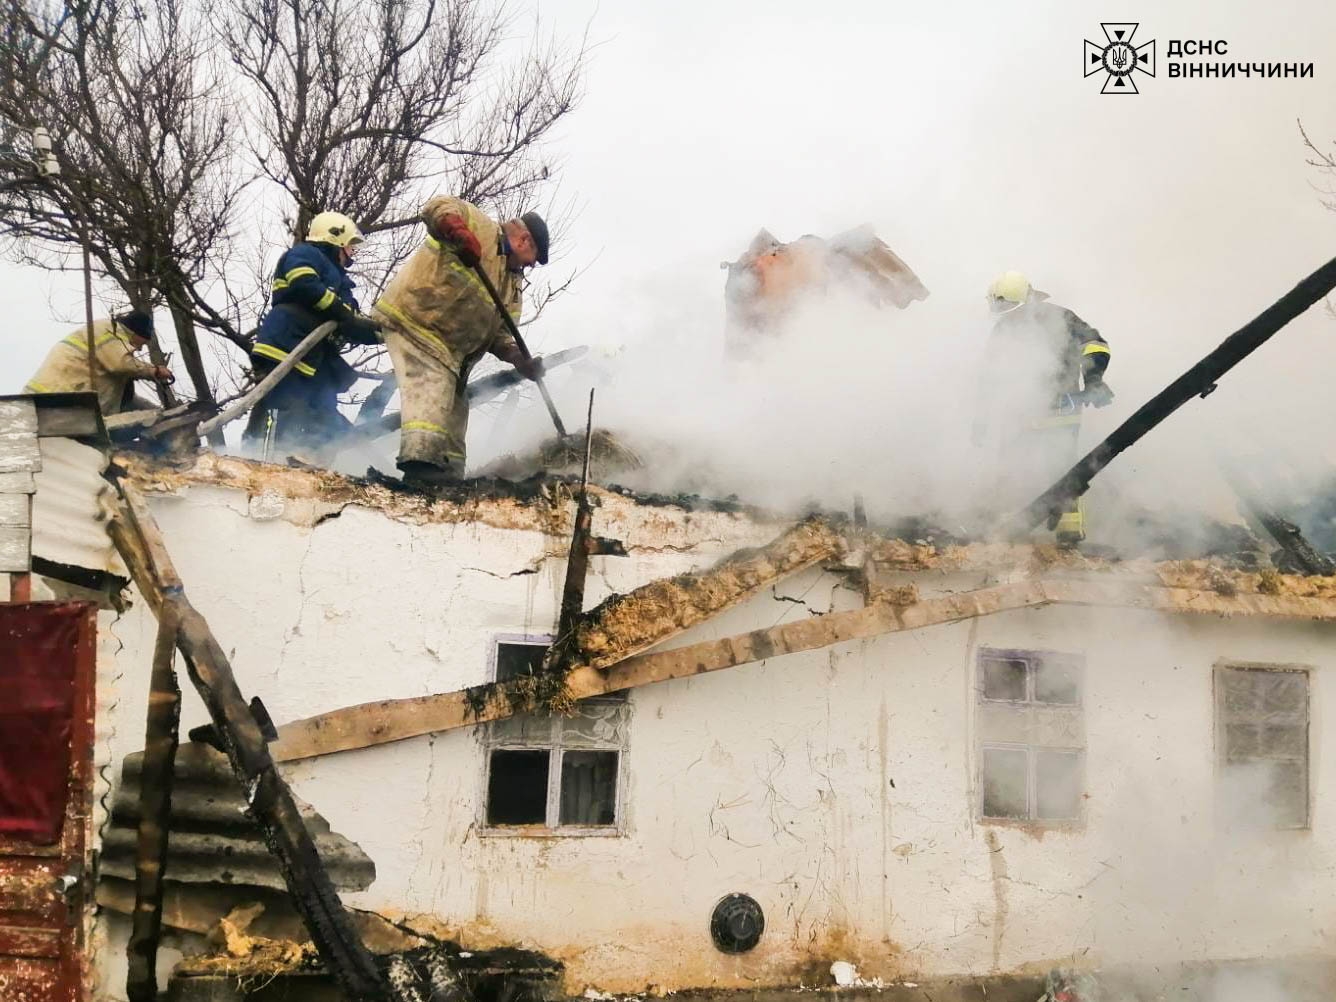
369	106
1324	159
365	106
142	133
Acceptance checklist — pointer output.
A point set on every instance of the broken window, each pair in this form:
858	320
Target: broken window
1031	736
1261	720
561	773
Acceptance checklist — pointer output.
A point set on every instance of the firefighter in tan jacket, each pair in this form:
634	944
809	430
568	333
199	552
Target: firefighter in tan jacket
115	367
438	320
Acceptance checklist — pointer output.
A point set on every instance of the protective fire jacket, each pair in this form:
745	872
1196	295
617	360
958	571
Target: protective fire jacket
1044	333
308	282
441	304
65	369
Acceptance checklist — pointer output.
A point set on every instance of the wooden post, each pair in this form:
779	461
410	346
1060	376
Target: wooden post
272	807
155	807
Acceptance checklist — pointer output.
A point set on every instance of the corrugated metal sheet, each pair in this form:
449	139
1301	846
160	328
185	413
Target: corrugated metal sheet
212	843
54	503
72	506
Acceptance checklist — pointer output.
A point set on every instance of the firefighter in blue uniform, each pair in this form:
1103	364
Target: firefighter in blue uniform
311	287
1045	365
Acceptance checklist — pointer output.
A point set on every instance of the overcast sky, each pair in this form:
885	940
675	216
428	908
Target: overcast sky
967	136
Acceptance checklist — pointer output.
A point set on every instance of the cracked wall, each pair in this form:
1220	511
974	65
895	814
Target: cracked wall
835	786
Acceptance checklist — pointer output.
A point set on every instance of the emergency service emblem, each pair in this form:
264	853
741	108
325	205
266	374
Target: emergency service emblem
1119	59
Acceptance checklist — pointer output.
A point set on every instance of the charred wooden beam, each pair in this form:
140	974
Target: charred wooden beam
155	807
1200	380
577	563
137	537
382	722
1299	553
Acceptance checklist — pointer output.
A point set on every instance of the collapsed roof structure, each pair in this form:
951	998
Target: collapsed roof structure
360	611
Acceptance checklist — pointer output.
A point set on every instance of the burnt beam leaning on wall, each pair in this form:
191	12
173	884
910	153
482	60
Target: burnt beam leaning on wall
139	541
161	737
1198	381
368	724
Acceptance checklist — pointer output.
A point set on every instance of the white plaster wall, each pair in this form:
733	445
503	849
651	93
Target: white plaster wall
834	786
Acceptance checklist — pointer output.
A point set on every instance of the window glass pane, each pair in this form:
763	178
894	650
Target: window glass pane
1287	794
1282	692
589	788
594	723
1005	781
524	728
1057	780
1242	741
517	787
514	660
1238	694
1284	741
1057	682
1003	678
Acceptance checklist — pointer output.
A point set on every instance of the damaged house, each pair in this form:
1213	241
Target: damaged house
768	751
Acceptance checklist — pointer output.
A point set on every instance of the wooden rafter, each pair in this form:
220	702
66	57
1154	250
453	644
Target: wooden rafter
368	724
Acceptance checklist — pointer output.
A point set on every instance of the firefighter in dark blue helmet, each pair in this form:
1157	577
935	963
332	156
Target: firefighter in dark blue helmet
311	287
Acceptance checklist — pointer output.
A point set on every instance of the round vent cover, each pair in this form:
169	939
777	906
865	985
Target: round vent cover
737	923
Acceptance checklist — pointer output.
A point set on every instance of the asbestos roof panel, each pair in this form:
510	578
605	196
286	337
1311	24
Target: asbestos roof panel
18	437
211	840
71	507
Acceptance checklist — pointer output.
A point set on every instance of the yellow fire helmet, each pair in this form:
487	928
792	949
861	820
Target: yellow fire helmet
334	228
1012	286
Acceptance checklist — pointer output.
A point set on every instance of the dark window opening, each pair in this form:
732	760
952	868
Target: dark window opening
589	788
1004	679
516	660
517	787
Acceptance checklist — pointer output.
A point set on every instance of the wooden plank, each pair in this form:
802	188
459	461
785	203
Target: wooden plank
20	587
368	724
162	734
396	719
625	625
271	804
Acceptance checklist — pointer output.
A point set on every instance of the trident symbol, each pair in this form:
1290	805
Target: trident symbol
1118	57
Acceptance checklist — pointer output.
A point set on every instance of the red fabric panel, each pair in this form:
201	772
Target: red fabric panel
38	653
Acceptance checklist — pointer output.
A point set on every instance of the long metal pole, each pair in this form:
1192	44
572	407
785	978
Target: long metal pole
519	343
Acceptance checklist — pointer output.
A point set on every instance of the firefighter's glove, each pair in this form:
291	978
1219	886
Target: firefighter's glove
1096	393
358	329
163	374
454	230
529	368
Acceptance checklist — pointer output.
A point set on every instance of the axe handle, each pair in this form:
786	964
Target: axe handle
519	343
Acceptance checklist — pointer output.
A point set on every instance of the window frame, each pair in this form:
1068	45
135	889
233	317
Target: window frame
1031	659
1219	720
557	747
1028	709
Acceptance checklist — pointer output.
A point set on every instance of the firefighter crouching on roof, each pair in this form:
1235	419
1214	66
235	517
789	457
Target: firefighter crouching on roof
438	320
311	287
116	341
1043	365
